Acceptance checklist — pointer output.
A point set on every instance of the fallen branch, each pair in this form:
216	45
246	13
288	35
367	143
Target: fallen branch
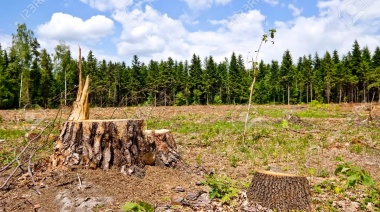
11	175
31	175
23	150
80	182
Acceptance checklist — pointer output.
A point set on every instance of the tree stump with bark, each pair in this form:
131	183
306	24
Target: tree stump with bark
279	191
119	143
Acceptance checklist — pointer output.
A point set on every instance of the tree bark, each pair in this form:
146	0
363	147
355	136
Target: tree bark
281	192
119	143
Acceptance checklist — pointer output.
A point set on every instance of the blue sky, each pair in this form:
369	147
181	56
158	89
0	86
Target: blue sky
158	29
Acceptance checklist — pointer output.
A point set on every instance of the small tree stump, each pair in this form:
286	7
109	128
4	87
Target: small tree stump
120	143
165	153
279	191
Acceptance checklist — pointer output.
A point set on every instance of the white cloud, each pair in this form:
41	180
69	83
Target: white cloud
104	5
222	2
189	19
272	2
5	41
67	27
152	35
160	36
199	4
204	4
295	11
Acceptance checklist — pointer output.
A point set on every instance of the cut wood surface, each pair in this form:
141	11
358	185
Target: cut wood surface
279	191
121	143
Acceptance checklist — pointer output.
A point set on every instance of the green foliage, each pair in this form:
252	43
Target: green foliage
222	188
372	196
30	75
217	100
137	207
180	99
353	175
233	160
198	159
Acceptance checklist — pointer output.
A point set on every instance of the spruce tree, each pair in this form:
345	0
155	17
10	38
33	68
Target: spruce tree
286	71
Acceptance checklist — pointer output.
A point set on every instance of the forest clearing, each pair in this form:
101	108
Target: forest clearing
335	146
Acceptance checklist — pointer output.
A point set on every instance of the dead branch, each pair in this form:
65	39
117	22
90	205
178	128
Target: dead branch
10	176
23	150
80	182
31	175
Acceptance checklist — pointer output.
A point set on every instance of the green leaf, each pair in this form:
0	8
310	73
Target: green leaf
344	169
367	180
137	207
130	206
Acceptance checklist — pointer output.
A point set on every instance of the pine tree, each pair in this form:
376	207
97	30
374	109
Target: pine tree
46	81
374	73
35	74
365	65
328	70
275	80
338	75
196	79
6	94
286	72
152	82
309	76
318	76
223	82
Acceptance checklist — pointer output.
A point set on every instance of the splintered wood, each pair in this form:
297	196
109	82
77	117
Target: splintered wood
120	143
81	109
279	191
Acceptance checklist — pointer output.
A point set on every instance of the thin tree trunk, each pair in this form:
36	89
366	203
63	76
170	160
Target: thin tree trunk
364	93
288	94
19	101
311	92
307	94
340	94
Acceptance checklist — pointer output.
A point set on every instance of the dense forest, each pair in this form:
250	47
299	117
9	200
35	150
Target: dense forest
30	75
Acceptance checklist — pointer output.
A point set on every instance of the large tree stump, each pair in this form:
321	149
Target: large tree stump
119	143
279	191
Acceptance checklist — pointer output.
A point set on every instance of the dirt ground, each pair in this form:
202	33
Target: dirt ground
81	189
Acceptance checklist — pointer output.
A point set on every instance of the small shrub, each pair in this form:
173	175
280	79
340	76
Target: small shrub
354	175
198	159
233	161
137	207
222	188
217	100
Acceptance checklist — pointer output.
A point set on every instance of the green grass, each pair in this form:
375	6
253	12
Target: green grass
11	134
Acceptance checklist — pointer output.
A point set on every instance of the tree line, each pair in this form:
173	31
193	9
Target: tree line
30	76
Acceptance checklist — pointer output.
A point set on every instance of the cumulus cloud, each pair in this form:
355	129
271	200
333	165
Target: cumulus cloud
67	27
160	36
222	2
272	2
204	4
295	11
153	35
104	5
5	41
